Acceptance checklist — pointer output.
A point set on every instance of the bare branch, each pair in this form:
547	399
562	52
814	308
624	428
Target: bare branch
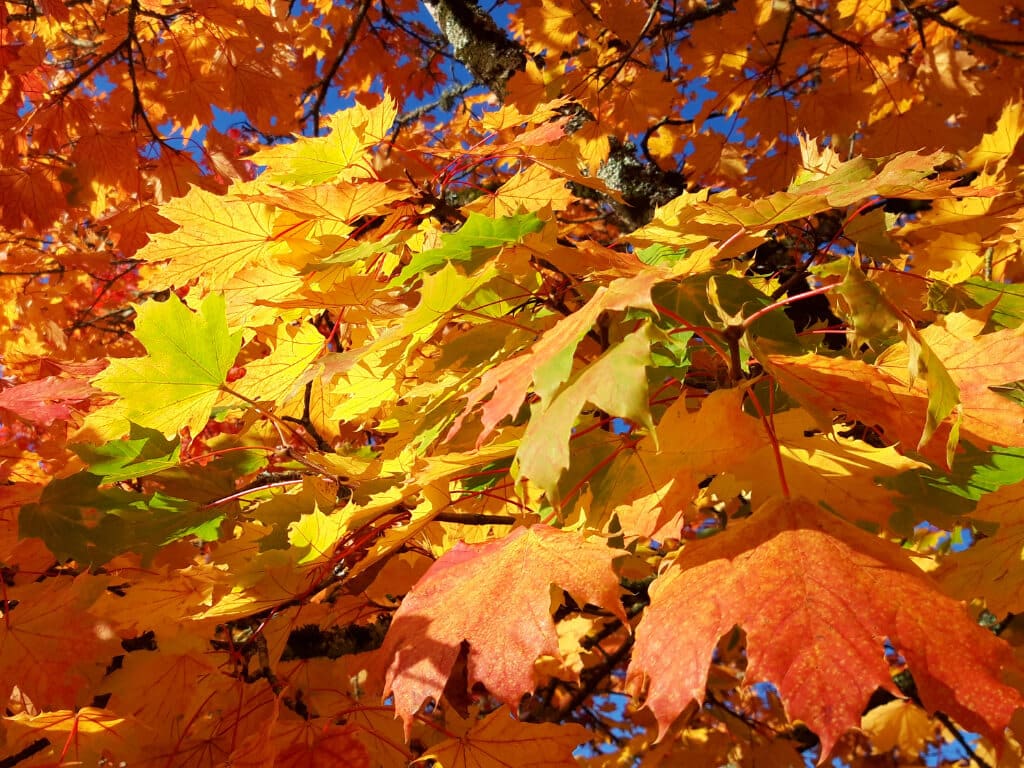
323	87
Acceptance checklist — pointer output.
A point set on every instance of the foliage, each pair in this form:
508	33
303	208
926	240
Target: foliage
638	385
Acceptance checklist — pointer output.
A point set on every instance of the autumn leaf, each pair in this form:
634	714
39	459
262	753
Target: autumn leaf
787	578
839	472
871	318
143	452
853	390
616	383
65	518
990	568
478	237
88	735
1008	300
341	156
697	441
294	346
475	298
549	362
49	643
898	724
531	190
176	384
45	400
216	238
490	740
976	365
454	603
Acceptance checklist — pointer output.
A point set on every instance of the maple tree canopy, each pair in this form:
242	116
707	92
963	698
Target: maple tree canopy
599	382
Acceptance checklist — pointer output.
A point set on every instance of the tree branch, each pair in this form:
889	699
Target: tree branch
324	86
489	54
36	746
698	14
996	44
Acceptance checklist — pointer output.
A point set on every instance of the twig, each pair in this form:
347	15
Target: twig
443	100
325	84
473	519
997	44
699	14
943	718
632	49
307	424
36	746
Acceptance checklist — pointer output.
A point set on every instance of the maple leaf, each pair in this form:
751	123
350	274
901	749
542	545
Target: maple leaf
63	517
45	400
87	736
976	365
579	220
841	473
817	599
616	383
549	363
144	452
991	567
49	646
531	190
489	741
898	724
216	238
301	743
479	237
342	156
695	443
454	603
177	383
856	391
1006	301
293	347
870	316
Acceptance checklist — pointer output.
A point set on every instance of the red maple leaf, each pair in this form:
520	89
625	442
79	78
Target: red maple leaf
497	598
818	599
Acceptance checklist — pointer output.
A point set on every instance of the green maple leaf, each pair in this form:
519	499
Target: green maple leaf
615	383
480	235
177	382
127	521
145	452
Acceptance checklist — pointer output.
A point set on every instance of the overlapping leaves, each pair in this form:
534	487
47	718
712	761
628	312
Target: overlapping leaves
408	400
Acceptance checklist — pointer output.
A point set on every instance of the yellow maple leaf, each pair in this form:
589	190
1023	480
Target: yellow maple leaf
342	156
217	237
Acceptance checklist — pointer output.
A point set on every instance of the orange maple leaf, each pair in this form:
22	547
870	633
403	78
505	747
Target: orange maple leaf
497	598
50	645
818	598
489	742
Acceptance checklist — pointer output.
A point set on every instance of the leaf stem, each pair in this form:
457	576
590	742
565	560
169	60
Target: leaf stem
769	428
277	422
747	322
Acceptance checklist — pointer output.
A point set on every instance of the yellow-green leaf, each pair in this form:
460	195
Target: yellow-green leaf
176	384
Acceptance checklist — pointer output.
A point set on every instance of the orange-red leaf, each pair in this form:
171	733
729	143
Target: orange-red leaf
50	645
497	598
45	400
817	598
